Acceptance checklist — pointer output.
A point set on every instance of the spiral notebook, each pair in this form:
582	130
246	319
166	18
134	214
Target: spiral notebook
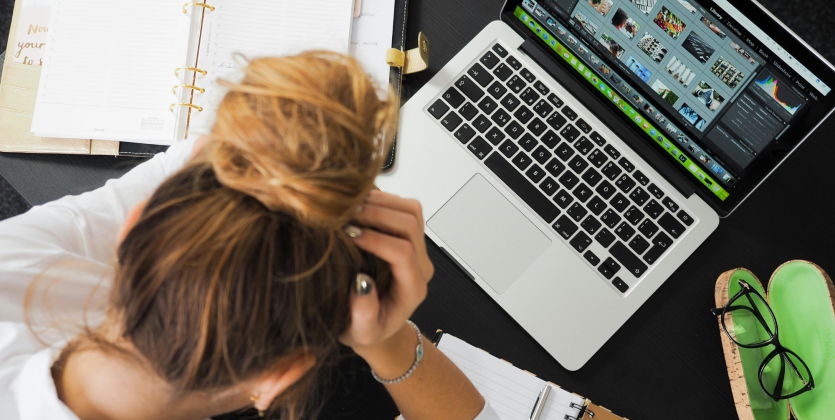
148	72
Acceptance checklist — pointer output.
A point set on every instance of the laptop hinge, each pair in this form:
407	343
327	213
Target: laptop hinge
602	110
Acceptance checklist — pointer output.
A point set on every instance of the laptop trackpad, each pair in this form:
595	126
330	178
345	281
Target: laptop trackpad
489	233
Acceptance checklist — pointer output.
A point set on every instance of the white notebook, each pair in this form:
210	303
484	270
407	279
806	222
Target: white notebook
109	65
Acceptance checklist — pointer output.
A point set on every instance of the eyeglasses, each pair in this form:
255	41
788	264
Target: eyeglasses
744	314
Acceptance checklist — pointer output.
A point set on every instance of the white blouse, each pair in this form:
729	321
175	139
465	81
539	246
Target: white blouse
72	240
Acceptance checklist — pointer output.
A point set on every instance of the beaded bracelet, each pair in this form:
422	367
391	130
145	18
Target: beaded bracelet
418	359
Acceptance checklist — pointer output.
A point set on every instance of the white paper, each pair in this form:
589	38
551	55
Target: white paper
29	44
260	28
371	38
109	70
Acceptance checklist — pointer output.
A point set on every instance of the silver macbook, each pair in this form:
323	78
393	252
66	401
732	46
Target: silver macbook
576	152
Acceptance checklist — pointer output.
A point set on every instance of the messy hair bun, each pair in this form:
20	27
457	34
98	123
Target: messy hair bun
304	134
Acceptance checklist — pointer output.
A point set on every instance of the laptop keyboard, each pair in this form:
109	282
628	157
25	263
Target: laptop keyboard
611	213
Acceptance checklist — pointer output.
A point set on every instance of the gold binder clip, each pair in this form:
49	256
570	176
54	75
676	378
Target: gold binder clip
412	61
198	108
177	72
199	89
197	3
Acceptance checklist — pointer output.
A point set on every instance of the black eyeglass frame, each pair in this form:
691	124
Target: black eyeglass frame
746	290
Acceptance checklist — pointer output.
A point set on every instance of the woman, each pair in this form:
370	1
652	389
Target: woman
230	270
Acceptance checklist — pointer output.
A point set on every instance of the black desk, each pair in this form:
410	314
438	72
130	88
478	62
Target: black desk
666	362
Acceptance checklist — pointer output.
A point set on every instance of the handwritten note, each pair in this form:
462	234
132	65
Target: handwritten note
30	41
371	38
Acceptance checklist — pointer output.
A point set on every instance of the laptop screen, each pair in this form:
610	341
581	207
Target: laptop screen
715	92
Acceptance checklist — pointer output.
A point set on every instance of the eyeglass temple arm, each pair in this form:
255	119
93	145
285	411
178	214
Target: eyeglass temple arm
717	311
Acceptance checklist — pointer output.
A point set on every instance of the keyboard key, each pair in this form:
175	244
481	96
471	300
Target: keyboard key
516	84
611	151
577	212
605	237
641	178
522	187
514	130
465	134
481	124
556	121
610	218
554	167
578	164
529	96
514	63
563	198
569	113
539	86
451	121
592	177
604	269
580	242
639	244
503	72
564	152
591	258
611	170
583	146
453	97
523	114
496	90
495	136
671	225
626	165
648	228
498	49
597	138
470	88
596	205
583	126
479	148
468	111
625	183
535	173
597	158
670	204
542	108
508	148
654	254
555	100
438	109
624	231
550	139
605	190
570	133
662	240
583	193
489	60
541	155
612	264
510	102
487	105
639	196
549	186
565	227
522	161
619	202
684	217
591	225
569	180
654	190
536	126
633	215
629	261
528	142
620	285
527	75
500	118
653	209
480	75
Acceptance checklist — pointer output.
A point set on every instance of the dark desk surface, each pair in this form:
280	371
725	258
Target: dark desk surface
666	362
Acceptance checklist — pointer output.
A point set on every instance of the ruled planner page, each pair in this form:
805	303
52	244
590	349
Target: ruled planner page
262	28
511	391
109	70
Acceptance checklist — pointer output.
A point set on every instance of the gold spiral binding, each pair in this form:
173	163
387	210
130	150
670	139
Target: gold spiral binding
197	3
177	71
199	89
198	108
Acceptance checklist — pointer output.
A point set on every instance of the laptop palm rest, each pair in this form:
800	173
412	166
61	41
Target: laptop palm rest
489	233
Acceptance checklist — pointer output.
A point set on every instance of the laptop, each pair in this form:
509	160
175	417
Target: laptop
576	152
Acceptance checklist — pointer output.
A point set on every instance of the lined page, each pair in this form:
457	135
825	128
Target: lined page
511	391
109	70
371	38
261	28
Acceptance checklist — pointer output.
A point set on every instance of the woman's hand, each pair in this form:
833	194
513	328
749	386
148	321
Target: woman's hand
397	237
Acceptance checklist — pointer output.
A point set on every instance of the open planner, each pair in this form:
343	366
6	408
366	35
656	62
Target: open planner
513	392
148	72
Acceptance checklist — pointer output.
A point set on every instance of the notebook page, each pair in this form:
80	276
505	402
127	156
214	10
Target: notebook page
371	38
261	28
109	70
511	391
